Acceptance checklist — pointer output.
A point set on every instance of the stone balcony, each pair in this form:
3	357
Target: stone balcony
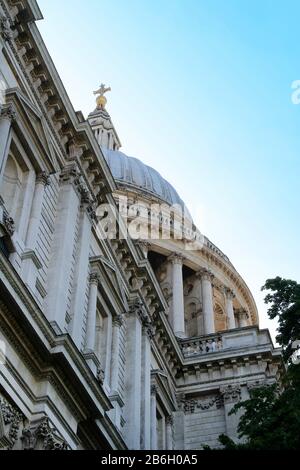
225	342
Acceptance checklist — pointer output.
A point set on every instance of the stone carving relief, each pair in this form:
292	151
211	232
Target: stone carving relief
10	421
190	405
42	436
231	393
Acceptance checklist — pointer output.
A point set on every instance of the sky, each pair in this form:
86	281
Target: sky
202	92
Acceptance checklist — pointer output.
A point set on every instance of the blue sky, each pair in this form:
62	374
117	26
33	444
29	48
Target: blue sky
201	91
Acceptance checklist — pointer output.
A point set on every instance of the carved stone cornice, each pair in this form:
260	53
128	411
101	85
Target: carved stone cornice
43	436
231	393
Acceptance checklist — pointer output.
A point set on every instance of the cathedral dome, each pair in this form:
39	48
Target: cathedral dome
134	174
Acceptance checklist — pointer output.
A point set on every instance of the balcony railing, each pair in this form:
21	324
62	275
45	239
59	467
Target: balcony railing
235	339
202	345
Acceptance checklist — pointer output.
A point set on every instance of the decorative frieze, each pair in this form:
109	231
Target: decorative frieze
231	393
43	436
191	405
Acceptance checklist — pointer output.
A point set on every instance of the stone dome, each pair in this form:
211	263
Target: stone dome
134	174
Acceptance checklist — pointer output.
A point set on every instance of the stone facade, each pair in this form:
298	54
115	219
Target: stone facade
108	343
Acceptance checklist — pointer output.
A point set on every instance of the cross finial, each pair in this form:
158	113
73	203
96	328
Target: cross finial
101	100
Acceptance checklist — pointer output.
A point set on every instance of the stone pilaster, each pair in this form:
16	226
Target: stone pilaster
81	276
63	248
231	395
153	418
132	410
169	432
145	388
92	311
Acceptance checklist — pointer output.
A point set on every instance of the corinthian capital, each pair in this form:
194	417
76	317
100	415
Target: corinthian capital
205	274
230	295
43	178
176	258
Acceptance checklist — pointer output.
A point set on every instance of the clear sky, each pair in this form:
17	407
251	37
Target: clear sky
201	91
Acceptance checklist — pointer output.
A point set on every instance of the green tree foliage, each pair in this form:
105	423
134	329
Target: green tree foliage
271	416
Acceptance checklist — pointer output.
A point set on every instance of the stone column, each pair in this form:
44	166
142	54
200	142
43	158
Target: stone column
207	301
243	318
153	418
133	379
178	299
229	308
63	249
146	388
92	311
81	276
169	432
7	116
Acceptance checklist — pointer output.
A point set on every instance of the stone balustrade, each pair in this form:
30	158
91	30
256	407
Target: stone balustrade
235	339
201	345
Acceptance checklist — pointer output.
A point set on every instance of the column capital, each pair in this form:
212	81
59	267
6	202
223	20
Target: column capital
176	258
205	274
94	278
43	178
154	389
230	295
242	313
8	112
118	321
